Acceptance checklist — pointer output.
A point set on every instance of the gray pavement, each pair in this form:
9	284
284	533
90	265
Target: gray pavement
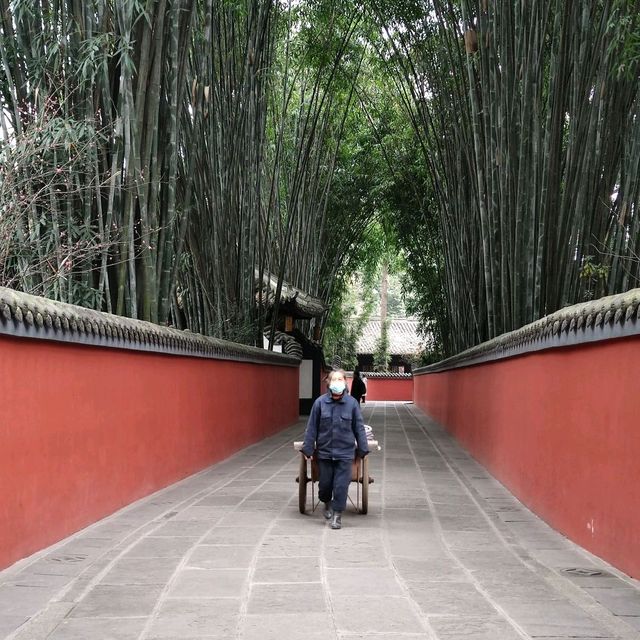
445	552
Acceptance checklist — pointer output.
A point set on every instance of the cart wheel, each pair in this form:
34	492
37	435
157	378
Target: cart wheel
303	479
364	478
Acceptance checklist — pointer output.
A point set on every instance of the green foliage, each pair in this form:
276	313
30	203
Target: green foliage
354	301
507	218
381	356
593	276
341	339
155	156
396	292
47	243
624	37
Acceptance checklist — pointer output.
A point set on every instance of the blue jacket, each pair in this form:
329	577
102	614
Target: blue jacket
333	429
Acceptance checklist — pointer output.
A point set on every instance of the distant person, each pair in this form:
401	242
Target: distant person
334	429
358	388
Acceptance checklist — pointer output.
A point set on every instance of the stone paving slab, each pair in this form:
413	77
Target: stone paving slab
445	553
195	618
491	627
112	628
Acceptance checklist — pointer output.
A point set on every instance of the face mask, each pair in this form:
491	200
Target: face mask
337	387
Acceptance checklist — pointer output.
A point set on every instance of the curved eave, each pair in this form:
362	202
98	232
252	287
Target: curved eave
293	301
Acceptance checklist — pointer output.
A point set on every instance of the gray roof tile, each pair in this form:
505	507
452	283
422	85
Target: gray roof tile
402	333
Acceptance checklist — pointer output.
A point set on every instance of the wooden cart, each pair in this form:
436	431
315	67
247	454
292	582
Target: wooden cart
308	475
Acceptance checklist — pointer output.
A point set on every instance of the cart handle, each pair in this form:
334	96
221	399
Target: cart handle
373	445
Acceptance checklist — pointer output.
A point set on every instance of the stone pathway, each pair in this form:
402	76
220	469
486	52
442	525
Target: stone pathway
445	552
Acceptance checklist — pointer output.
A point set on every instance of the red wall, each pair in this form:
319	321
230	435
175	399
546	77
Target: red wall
86	430
559	428
389	389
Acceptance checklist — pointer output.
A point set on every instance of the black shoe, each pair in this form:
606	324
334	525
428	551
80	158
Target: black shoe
328	511
336	523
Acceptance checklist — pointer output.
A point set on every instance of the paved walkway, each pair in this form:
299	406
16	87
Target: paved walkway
445	552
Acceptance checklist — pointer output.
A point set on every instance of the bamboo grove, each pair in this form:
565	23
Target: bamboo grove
159	157
528	117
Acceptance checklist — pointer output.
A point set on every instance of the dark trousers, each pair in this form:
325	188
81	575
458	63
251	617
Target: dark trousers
333	484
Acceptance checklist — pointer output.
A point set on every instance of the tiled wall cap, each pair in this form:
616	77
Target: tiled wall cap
30	316
388	375
616	316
